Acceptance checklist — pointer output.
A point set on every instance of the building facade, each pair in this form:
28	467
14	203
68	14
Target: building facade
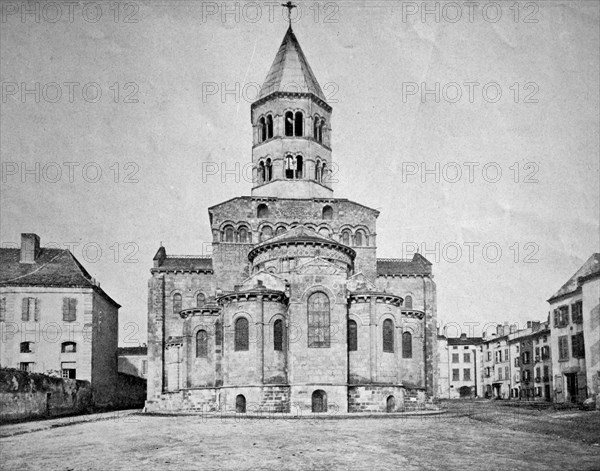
134	361
458	367
293	311
575	326
55	318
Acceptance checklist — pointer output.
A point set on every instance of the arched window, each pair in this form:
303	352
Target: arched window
278	335
318	171
388	336
228	234
176	303
201	344
25	347
262	130
262	211
408	302
321	127
268	170
352	336
289	167
280	230
266	233
318	320
261	172
316	128
299	167
406	345
241	335
327	212
269	127
240	404
68	347
323	173
299	124
319	401
346	237
218	333
200	299
289	123
359	238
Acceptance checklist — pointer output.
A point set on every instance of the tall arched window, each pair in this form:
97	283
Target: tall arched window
269	126
408	302
346	237
289	167
299	124
176	303
262	211
262	130
299	167
218	333
388	336
323	173
242	342
201	344
406	345
318	320
352	336
360	239
278	335
200	299
321	128
261	172
289	123
316	128
318	171
268	170
228	234
327	212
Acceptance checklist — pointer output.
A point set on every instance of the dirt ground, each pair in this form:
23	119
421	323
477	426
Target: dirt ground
478	437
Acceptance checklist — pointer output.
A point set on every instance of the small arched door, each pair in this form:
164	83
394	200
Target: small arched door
240	404
319	401
390	404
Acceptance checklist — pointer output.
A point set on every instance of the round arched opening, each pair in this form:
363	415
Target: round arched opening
390	404
240	404
319	401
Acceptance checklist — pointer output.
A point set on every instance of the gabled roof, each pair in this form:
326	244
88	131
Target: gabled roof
418	266
590	267
290	71
186	263
54	268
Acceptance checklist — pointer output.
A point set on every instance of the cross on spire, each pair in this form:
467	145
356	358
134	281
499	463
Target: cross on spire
289	5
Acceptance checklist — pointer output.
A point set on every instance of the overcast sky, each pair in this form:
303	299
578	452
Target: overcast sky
161	119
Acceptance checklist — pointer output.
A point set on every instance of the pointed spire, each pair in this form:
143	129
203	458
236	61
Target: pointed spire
290	71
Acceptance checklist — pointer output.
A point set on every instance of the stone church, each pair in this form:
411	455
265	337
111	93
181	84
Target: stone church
293	312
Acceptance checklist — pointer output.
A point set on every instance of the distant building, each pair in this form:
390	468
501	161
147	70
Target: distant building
458	366
55	318
575	325
496	364
134	361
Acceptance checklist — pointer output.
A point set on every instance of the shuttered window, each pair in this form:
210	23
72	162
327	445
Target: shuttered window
69	309
30	310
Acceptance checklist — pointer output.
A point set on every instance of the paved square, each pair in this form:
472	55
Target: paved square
146	442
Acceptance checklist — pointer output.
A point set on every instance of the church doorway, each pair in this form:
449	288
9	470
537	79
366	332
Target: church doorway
240	404
319	401
390	404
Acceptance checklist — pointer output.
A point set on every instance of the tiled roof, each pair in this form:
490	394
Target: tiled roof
290	71
132	351
52	268
464	340
590	267
419	265
187	263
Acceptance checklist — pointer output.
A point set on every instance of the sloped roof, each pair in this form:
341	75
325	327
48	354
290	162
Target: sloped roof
290	71
52	268
419	265
590	267
187	263
299	233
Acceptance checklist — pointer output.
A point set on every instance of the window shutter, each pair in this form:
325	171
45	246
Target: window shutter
72	309
37	309
25	310
65	309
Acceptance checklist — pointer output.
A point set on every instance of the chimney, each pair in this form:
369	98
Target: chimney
30	248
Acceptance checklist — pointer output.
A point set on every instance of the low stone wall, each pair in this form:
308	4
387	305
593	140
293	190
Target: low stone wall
130	392
28	395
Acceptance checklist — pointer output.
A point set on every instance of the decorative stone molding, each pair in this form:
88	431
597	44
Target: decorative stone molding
383	298
252	296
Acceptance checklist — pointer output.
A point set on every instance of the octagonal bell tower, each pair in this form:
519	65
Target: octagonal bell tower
291	152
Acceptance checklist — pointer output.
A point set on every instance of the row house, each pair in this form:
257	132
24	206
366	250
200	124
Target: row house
458	366
575	327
